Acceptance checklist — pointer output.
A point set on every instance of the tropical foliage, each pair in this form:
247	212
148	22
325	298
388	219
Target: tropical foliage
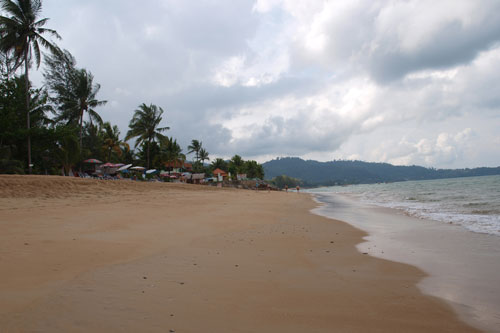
112	146
22	32
195	147
236	165
284	180
144	126
74	91
62	117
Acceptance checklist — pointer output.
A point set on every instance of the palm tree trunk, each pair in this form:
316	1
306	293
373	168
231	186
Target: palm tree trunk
81	131
148	155
81	136
27	90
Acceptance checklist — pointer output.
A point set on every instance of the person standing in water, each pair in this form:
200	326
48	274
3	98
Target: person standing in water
298	188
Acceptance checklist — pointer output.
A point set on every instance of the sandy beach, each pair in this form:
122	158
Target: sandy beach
80	255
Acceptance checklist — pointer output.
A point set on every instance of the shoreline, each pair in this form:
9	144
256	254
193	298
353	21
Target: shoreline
101	256
460	263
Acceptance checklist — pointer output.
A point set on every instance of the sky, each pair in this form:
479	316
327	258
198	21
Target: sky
403	82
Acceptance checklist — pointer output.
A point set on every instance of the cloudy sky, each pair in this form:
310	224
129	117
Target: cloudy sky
404	82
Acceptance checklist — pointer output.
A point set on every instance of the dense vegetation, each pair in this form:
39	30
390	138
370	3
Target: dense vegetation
283	180
314	173
53	129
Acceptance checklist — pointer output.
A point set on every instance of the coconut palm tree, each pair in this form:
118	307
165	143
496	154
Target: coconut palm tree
219	163
203	155
195	147
80	98
236	165
112	142
21	32
144	126
171	151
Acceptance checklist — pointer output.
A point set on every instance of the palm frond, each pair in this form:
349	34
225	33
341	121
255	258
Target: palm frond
12	8
36	50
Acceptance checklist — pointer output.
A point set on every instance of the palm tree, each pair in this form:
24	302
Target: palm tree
66	152
203	155
112	142
236	165
171	151
195	147
80	97
144	126
253	169
20	33
219	163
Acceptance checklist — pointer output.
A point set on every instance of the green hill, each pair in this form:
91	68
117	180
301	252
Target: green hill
314	173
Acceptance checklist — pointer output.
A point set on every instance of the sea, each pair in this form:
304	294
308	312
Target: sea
471	202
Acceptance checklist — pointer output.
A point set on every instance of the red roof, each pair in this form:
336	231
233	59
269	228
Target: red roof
219	171
179	164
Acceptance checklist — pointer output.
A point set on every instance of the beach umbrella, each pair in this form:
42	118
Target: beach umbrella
125	167
139	168
118	165
108	165
151	171
92	161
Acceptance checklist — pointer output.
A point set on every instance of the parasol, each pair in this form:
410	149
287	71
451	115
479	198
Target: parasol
125	167
92	161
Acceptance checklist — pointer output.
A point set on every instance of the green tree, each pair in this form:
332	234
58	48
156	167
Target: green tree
253	169
281	181
66	152
219	163
13	133
195	148
21	32
75	97
59	72
111	141
7	163
170	151
144	126
93	140
236	165
203	155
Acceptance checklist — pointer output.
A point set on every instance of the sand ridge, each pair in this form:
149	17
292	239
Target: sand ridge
85	255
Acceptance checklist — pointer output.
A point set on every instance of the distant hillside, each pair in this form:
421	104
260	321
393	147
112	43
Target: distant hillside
315	173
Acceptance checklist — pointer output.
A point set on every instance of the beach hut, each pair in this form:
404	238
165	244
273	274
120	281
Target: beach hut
179	166
197	178
220	174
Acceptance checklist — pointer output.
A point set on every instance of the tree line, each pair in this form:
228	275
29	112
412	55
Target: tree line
313	173
44	130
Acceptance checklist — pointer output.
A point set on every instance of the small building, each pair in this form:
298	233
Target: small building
179	166
220	174
197	178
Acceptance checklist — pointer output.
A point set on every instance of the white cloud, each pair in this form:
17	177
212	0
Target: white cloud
395	81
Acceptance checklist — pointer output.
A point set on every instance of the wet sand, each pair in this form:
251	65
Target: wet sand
85	255
463	266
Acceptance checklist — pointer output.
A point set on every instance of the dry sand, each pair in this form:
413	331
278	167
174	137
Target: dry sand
106	256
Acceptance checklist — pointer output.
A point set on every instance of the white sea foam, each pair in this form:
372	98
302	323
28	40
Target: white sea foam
473	202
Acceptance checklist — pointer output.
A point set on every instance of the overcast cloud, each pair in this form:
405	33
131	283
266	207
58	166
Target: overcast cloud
404	82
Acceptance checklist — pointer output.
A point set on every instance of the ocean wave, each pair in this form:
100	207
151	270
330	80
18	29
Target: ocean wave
470	202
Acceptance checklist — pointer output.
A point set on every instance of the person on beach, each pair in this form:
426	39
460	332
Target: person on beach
286	188
298	188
